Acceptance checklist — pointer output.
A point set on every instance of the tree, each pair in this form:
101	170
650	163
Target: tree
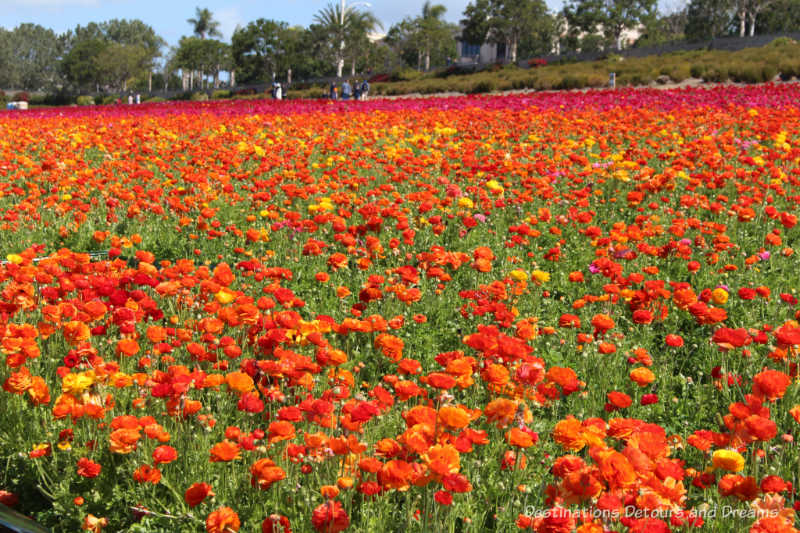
433	32
344	24
753	9
608	17
118	63
202	55
83	46
31	54
665	28
258	49
80	66
506	22
706	19
204	23
426	36
358	44
780	16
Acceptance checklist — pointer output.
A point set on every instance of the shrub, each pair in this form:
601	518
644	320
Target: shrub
199	97
679	73
788	70
768	72
406	75
155	100
717	74
21	96
483	86
84	99
108	99
697	71
220	93
782	41
572	82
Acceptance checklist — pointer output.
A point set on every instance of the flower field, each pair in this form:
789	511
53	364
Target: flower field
545	312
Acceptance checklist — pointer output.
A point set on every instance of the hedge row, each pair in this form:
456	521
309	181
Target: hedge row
753	65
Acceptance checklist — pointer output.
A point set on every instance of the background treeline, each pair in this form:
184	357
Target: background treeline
120	56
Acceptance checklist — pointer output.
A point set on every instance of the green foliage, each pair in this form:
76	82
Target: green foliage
89	57
220	93
203	55
706	19
345	33
483	86
85	100
602	22
425	39
204	24
29	57
749	65
199	97
516	23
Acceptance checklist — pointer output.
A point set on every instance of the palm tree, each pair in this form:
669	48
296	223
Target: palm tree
362	25
345	24
431	26
204	23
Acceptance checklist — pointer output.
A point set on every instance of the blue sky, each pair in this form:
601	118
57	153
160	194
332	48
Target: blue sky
168	17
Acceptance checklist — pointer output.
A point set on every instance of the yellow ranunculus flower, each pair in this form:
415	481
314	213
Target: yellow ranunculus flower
719	296
519	275
727	460
465	202
539	276
75	384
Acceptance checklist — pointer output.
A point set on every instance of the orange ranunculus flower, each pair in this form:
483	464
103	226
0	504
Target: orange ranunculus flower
18	382
329	491
264	473
147	474
330	517
225	451
127	347
164	454
569	434
239	382
198	492
615	469
124	440
642	376
771	384
280	430
501	411
454	417
396	474
223	520
440	380
345	482
520	438
496	375
38	392
94	524
75	332
602	323
442	459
